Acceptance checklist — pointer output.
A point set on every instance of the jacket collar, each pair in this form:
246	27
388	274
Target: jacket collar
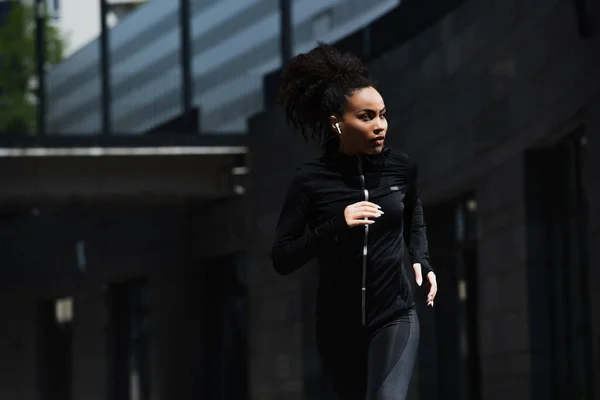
351	163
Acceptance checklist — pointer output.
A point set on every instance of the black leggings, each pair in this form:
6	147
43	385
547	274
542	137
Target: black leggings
371	364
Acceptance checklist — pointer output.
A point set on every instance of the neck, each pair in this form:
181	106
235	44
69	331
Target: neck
345	150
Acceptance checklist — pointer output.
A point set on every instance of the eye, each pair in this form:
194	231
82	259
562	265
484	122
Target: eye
365	117
383	115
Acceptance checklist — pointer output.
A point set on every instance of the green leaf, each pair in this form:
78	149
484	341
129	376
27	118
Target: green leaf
18	58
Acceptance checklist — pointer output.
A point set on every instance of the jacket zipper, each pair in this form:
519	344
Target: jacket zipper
365	252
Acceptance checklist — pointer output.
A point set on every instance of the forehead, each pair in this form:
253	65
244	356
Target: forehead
366	98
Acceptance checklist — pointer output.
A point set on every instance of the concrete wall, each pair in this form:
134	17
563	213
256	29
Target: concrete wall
467	98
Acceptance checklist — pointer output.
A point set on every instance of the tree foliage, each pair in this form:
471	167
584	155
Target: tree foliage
18	60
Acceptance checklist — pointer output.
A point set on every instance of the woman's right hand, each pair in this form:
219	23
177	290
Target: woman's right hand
359	213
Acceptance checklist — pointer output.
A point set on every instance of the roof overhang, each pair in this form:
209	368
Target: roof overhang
60	167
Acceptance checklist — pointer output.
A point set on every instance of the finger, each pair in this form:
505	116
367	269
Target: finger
418	276
368	209
432	293
364	215
367	214
368	204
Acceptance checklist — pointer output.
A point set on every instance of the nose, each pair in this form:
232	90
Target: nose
381	126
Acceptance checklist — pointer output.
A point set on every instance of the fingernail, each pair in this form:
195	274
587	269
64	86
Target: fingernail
378	206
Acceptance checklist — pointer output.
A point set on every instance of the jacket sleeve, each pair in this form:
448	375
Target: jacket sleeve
295	245
415	231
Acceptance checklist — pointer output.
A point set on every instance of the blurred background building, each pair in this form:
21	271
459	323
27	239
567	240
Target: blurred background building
233	44
134	260
79	20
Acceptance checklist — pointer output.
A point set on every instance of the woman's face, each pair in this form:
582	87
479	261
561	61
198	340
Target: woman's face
364	124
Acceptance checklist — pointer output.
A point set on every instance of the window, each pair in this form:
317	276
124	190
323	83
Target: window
128	340
55	340
449	335
226	312
557	216
583	18
465	250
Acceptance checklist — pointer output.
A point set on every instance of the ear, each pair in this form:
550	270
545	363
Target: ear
333	120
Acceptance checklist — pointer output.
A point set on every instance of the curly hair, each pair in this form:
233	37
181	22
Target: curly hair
316	85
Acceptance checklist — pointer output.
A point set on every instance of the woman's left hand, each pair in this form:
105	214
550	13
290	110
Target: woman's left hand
432	283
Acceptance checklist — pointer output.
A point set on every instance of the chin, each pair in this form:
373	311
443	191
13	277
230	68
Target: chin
375	150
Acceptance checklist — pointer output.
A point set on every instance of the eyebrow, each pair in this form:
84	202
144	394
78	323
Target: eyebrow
370	110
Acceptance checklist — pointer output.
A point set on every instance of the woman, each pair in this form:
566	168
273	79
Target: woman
360	204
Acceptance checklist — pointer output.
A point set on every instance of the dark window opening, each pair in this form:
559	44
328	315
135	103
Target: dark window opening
583	18
226	329
128	340
558	278
449	332
55	349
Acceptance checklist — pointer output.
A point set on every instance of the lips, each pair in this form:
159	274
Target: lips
379	140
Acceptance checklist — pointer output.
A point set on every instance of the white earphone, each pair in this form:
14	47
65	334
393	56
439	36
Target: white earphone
337	125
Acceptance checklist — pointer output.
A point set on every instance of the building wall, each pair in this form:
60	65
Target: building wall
170	243
468	98
503	317
277	324
233	44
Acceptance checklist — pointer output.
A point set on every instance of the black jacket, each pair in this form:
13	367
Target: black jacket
362	279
